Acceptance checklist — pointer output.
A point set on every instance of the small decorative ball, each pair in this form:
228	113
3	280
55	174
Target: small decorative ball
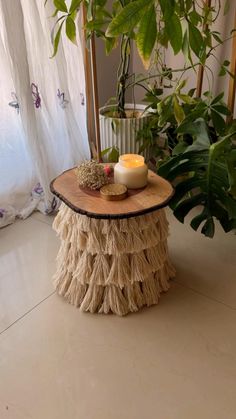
108	170
91	174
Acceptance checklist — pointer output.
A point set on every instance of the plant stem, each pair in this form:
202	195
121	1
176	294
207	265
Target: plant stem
165	73
122	74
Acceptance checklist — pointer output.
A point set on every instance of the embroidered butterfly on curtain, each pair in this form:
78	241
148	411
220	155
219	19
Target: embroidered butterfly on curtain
61	97
15	102
36	95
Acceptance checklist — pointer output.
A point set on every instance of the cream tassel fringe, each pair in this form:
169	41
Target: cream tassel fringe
114	266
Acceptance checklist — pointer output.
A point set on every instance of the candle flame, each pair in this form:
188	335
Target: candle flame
133	163
131	160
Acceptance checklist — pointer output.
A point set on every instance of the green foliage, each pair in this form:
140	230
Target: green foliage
167	8
226	7
146	35
195	40
188	137
173	29
128	18
71	29
74	6
197	153
151	24
203	181
67	19
112	154
57	39
60	5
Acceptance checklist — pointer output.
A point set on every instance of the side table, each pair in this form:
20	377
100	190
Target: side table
113	255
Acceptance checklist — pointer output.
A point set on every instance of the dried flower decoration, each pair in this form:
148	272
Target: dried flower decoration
91	174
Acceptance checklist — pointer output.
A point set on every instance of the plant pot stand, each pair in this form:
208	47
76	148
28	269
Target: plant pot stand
113	255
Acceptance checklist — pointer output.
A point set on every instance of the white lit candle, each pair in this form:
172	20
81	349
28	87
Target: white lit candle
131	171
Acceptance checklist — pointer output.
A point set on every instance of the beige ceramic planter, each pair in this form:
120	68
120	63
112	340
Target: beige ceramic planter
122	132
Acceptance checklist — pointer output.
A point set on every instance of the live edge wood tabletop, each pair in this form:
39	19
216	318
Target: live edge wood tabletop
156	195
114	254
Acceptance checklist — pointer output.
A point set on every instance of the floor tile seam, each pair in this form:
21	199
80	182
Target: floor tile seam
27	312
204	295
40	221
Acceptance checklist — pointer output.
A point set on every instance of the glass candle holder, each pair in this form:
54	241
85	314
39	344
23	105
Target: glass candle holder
131	171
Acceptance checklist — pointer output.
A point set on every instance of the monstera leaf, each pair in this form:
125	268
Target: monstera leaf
205	178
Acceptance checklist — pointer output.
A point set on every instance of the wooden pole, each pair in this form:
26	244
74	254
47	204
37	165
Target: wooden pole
87	72
95	97
201	68
91	80
232	81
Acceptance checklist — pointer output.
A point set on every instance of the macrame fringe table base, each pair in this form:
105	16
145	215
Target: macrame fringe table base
113	266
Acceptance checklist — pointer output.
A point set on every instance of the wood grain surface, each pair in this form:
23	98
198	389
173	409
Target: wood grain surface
142	201
113	192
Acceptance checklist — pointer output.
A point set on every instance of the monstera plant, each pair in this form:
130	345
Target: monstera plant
205	177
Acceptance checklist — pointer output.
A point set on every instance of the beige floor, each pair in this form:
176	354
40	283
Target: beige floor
176	360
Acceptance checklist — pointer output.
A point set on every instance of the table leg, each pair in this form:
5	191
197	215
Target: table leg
112	265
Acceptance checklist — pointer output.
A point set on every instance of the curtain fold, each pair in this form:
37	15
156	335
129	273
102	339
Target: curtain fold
42	111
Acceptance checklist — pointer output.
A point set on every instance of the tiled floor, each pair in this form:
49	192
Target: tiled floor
176	360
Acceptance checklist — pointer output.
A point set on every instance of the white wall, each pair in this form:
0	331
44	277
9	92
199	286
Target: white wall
106	69
107	72
224	25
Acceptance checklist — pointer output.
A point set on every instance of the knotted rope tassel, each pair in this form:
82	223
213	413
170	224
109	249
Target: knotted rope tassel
112	265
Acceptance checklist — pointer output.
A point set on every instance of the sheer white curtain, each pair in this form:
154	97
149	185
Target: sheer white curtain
42	109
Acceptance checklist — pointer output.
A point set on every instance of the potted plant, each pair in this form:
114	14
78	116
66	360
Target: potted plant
192	138
200	157
197	152
147	24
119	121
